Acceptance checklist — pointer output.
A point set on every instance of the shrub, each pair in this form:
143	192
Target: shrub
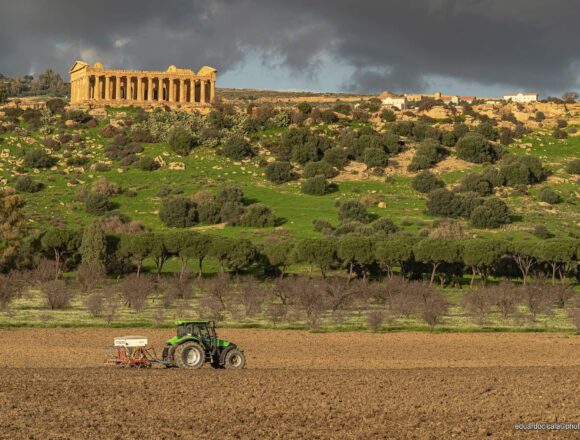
402	128
231	212
476	183
391	143
474	147
337	157
375	157
142	135
135	289
304	108
146	163
522	170
548	195
180	141
375	319
96	204
209	212
237	148
38	159
442	202
478	304
10	287
492	214
573	167
56	105
428	154
27	184
105	187
57	294
320	168
315	186
279	172
353	210
539	116
178	212
94	304
229	194
559	134
384	226
487	131
448	138
542	232
328	116
426	182
258	215
388	115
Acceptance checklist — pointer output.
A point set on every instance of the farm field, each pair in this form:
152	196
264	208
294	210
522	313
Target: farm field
297	385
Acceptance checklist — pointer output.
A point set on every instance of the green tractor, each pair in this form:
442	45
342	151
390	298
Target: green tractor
196	343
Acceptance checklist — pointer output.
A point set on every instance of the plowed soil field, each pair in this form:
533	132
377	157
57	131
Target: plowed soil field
297	385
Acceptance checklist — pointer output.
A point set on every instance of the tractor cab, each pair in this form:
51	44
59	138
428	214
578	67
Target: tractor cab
196	342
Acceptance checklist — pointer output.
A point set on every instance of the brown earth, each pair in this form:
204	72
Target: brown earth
298	385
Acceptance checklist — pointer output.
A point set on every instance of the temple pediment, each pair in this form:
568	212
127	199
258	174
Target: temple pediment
78	65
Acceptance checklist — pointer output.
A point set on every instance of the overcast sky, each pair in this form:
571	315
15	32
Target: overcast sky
481	47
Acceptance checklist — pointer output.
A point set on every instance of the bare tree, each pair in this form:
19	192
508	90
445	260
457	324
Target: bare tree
478	304
505	297
136	289
57	294
89	276
375	319
252	295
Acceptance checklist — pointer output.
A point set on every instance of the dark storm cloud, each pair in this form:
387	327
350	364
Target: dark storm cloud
397	44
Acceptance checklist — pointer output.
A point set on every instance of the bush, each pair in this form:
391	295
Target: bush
237	148
474	147
304	108
178	212
384	226
146	163
375	157
539	116
375	319
428	154
476	183
388	115
442	202
522	170
96	204
27	184
573	167
402	128
448	138
56	105
353	210
38	159
559	134
542	232
487	131
315	186
180	141
279	172
135	289
320	168
337	157
142	135
492	214
548	195
209	212
57	294
105	187
258	215
426	182
231	212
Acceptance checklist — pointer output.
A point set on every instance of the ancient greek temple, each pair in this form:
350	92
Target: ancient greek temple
174	87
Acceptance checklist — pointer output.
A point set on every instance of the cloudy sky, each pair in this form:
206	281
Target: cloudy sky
481	47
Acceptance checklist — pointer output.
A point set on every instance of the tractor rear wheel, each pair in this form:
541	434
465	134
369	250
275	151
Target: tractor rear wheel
189	355
235	359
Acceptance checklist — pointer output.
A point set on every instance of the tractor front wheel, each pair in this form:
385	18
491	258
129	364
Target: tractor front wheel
189	355
235	359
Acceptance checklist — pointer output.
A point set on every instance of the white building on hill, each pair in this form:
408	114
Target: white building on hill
521	97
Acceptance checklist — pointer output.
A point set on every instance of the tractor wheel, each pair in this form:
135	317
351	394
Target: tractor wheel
189	355
235	359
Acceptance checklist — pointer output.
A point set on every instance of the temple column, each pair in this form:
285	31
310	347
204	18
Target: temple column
107	87
98	87
211	91
181	91
117	88
160	96
171	91
202	91
149	89
139	89
86	88
128	94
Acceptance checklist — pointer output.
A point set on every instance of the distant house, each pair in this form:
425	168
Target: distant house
468	99
521	97
399	102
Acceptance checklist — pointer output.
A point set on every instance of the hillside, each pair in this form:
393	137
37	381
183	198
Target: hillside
386	193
